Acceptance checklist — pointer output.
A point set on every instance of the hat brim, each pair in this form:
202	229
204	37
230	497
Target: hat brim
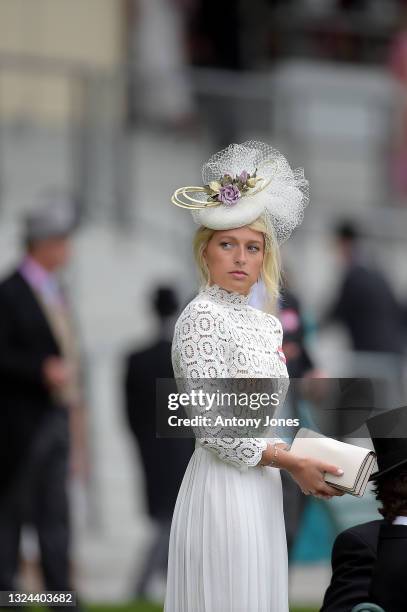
381	473
246	211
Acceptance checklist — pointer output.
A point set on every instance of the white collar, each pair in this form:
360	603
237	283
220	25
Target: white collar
223	296
400	520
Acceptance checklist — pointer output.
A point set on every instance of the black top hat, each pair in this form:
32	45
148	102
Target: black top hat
388	431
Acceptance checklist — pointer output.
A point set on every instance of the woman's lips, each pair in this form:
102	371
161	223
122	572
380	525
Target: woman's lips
238	274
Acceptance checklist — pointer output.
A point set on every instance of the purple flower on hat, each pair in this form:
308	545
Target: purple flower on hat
229	195
243	176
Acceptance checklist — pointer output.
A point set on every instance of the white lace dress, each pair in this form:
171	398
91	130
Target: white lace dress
227	550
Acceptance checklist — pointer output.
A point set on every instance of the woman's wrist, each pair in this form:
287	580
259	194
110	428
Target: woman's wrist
288	461
277	455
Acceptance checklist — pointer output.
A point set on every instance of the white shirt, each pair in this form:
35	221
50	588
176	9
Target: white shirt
400	520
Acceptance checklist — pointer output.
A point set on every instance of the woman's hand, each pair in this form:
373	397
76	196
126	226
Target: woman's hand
309	475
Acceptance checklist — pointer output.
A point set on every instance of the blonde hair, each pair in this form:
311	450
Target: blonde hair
271	267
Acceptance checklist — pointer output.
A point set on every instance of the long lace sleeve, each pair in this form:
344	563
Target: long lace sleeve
201	351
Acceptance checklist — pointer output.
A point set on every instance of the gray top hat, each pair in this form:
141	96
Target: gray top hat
55	216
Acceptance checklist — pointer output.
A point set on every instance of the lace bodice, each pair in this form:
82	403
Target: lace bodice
218	335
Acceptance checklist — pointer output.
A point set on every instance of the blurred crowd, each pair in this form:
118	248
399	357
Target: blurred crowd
44	415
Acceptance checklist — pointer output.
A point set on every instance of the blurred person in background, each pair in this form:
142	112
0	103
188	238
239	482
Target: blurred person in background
299	364
369	558
164	460
366	304
299	361
388	586
40	391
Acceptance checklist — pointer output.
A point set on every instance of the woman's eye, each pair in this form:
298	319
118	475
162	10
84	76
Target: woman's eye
225	244
254	248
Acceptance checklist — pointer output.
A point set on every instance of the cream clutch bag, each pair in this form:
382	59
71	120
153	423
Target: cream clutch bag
357	463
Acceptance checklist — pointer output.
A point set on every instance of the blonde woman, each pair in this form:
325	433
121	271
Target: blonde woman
227	549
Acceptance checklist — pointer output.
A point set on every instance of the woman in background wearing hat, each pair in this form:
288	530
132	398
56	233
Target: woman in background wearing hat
227	548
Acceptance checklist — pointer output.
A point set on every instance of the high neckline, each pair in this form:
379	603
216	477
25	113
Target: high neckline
223	296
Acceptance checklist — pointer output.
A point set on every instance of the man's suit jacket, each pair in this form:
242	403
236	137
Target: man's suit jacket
353	557
389	580
164	459
26	340
368	308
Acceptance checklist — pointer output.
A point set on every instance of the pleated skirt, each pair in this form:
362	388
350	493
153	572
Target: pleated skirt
227	550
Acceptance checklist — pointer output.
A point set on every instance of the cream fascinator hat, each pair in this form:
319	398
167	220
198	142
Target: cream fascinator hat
243	182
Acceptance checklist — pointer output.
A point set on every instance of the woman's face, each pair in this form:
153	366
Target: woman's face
234	258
